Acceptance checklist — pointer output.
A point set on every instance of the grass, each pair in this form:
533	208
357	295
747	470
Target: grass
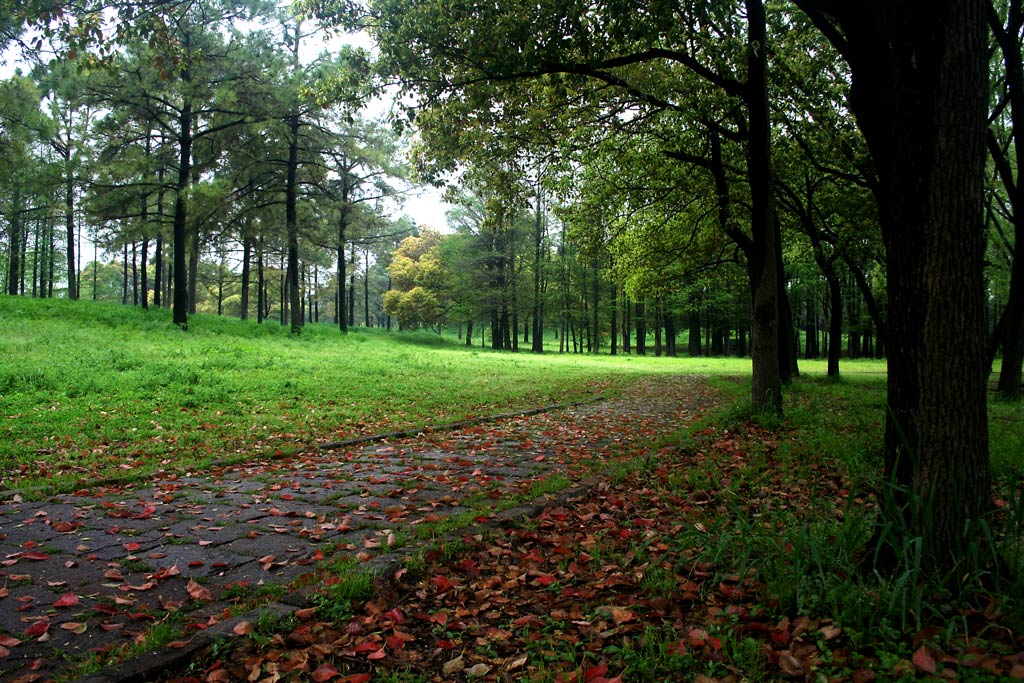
88	388
92	391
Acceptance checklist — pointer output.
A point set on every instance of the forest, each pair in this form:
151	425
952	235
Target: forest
777	181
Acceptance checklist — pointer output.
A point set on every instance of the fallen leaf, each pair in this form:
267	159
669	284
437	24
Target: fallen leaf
75	627
453	666
37	629
66	600
478	670
197	591
924	661
243	628
324	672
791	665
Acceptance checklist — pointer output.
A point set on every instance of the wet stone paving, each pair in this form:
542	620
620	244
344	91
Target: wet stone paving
95	569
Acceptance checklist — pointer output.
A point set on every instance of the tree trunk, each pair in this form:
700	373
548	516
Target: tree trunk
614	327
1010	331
342	225
246	274
366	287
919	91
538	243
261	284
180	306
352	288
641	330
69	222
762	262
144	265
292	224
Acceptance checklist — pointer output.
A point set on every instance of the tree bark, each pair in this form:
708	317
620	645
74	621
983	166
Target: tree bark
69	222
292	224
180	305
246	275
919	91
762	262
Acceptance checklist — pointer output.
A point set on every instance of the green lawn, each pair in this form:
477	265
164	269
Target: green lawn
90	391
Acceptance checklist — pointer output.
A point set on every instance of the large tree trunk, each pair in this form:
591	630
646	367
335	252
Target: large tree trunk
762	265
919	91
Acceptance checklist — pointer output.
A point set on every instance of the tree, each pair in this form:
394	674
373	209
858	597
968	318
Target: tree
1004	145
919	87
418	280
555	61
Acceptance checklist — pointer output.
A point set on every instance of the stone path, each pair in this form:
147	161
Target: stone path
98	568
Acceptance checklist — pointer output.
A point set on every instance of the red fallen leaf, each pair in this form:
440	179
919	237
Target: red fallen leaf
62	527
305	614
149	585
398	639
9	641
324	672
197	591
195	563
367	646
203	544
74	627
379	654
442	583
132	547
4	652
176	644
37	629
593	672
167	573
66	600
28	545
111	627
36	556
545	580
146	513
924	661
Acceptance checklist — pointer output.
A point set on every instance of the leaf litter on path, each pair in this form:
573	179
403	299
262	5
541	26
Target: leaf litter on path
183	547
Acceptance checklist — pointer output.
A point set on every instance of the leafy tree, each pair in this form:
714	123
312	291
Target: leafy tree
418	279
